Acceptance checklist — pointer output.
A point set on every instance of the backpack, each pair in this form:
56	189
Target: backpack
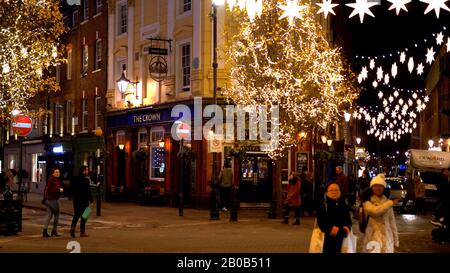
363	219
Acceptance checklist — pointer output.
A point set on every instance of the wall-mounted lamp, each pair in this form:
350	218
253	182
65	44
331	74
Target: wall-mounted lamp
431	143
123	83
121	146
324	139
329	142
161	143
358	140
347	116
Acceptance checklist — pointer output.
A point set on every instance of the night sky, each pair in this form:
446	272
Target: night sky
388	33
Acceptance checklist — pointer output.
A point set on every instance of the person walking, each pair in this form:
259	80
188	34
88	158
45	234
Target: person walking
333	219
381	227
363	182
441	188
225	183
307	192
52	194
410	191
420	196
80	192
342	181
293	198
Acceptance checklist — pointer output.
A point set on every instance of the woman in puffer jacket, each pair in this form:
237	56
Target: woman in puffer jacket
381	232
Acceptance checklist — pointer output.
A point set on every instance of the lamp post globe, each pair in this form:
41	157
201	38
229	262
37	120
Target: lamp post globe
98	132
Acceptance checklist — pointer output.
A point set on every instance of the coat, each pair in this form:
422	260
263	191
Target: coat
342	181
80	190
226	178
381	227
52	190
293	193
333	213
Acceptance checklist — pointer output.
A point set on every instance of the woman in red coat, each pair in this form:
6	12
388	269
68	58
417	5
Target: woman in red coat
293	199
52	193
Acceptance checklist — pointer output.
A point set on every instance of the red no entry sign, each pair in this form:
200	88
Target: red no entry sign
22	125
183	131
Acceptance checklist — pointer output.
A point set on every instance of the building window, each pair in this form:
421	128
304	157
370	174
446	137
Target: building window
99	6
37	168
142	138
75	18
98	54
56	117
85	59
187	5
123	17
69	64
69	116
186	67
158	162
84	121
98	111
85	10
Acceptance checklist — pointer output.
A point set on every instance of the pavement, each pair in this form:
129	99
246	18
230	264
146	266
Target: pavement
132	228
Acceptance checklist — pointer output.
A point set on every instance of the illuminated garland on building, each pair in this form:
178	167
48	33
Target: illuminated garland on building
29	36
290	64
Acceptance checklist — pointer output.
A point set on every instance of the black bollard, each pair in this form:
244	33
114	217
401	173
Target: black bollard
234	204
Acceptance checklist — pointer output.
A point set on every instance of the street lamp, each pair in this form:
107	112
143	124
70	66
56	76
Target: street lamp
430	143
329	142
99	133
324	139
358	140
161	143
123	82
214	195
347	116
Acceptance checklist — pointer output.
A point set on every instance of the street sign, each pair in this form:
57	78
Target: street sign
157	51
22	125
183	131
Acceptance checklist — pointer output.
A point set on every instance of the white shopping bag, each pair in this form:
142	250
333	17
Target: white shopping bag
317	239
349	243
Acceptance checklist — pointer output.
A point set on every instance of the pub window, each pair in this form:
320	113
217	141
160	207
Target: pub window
142	138
187	5
123	17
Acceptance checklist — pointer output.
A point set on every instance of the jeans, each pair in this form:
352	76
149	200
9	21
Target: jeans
288	208
52	211
78	208
225	194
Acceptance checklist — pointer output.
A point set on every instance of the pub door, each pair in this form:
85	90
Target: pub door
256	179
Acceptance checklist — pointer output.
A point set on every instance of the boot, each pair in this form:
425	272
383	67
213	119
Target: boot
45	233
297	222
55	233
83	235
72	232
285	221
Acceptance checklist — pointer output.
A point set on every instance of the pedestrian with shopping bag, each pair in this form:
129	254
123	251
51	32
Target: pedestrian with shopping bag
80	192
381	227
334	220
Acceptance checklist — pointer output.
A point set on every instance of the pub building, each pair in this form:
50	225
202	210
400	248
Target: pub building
143	162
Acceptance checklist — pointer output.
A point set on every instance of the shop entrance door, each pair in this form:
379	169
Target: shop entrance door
256	179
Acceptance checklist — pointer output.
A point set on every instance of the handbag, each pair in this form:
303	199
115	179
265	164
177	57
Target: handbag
86	213
317	240
349	243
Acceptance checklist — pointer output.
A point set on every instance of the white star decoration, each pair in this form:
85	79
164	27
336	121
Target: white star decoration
372	64
394	70
375	84
437	5
426	99
399	5
380	73
291	10
326	7
411	64
439	39
386	78
420	69
402	57
364	73
430	55
361	7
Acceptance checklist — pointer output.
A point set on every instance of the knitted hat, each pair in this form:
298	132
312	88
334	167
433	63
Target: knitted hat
378	180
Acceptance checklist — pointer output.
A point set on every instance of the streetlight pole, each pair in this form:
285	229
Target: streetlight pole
98	134
214	195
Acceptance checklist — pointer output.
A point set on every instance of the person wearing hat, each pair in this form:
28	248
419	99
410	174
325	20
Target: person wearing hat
381	226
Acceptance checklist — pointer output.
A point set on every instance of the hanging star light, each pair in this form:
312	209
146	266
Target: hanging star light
420	69
402	57
391	99
414	96
399	5
375	84
326	7
386	79
292	10
430	55
426	99
437	5
380	95
400	101
396	93
439	38
380	73
394	70
372	64
361	7
364	72
411	64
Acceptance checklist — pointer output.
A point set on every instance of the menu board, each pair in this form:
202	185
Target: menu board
301	160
